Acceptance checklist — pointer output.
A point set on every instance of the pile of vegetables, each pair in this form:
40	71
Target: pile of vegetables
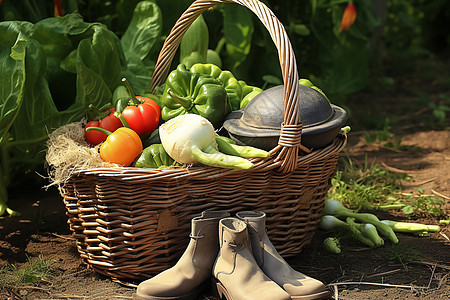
365	228
135	131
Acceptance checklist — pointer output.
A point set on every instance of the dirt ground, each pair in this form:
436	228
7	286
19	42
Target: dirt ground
416	268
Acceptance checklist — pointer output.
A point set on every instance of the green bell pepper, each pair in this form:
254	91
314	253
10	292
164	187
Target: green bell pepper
154	156
236	90
248	93
188	92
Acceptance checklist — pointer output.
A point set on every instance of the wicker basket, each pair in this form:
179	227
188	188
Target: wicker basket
133	223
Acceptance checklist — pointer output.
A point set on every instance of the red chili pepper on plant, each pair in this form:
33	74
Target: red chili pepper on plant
110	123
58	12
349	17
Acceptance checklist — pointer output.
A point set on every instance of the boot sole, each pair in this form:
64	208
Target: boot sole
191	296
219	290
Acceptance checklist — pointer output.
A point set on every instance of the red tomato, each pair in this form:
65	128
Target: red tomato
152	103
94	137
110	123
142	118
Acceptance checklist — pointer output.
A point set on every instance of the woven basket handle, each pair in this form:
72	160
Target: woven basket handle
289	142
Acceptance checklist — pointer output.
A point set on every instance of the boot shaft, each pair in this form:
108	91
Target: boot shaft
256	226
204	242
298	285
233	239
237	273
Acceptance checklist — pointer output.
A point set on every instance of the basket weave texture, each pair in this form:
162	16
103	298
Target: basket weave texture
132	223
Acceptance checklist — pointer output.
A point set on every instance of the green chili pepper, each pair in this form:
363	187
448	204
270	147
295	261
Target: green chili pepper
227	147
154	156
120	99
123	96
188	92
236	90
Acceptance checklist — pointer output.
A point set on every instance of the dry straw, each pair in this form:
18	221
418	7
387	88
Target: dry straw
67	151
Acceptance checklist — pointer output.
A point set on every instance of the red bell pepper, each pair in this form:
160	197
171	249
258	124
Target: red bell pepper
152	103
142	118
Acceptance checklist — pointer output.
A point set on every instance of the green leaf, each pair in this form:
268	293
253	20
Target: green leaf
407	210
143	31
12	69
139	43
29	56
300	29
274	80
238	30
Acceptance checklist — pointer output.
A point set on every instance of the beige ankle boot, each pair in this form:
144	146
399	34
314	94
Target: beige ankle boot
236	273
192	272
296	284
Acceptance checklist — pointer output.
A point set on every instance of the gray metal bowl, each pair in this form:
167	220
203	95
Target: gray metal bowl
259	123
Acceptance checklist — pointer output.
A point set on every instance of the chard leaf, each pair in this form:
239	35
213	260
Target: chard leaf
143	31
140	42
12	69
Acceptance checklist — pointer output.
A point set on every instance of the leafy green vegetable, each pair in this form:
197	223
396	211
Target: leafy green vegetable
32	57
54	71
140	44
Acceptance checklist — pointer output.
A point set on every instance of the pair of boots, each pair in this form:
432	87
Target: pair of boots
244	264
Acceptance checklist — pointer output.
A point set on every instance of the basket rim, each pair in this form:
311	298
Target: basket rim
202	171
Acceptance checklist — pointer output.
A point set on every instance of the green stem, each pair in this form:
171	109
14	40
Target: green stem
134	100
122	119
186	103
3	197
102	130
214	158
27	142
408	227
387	206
